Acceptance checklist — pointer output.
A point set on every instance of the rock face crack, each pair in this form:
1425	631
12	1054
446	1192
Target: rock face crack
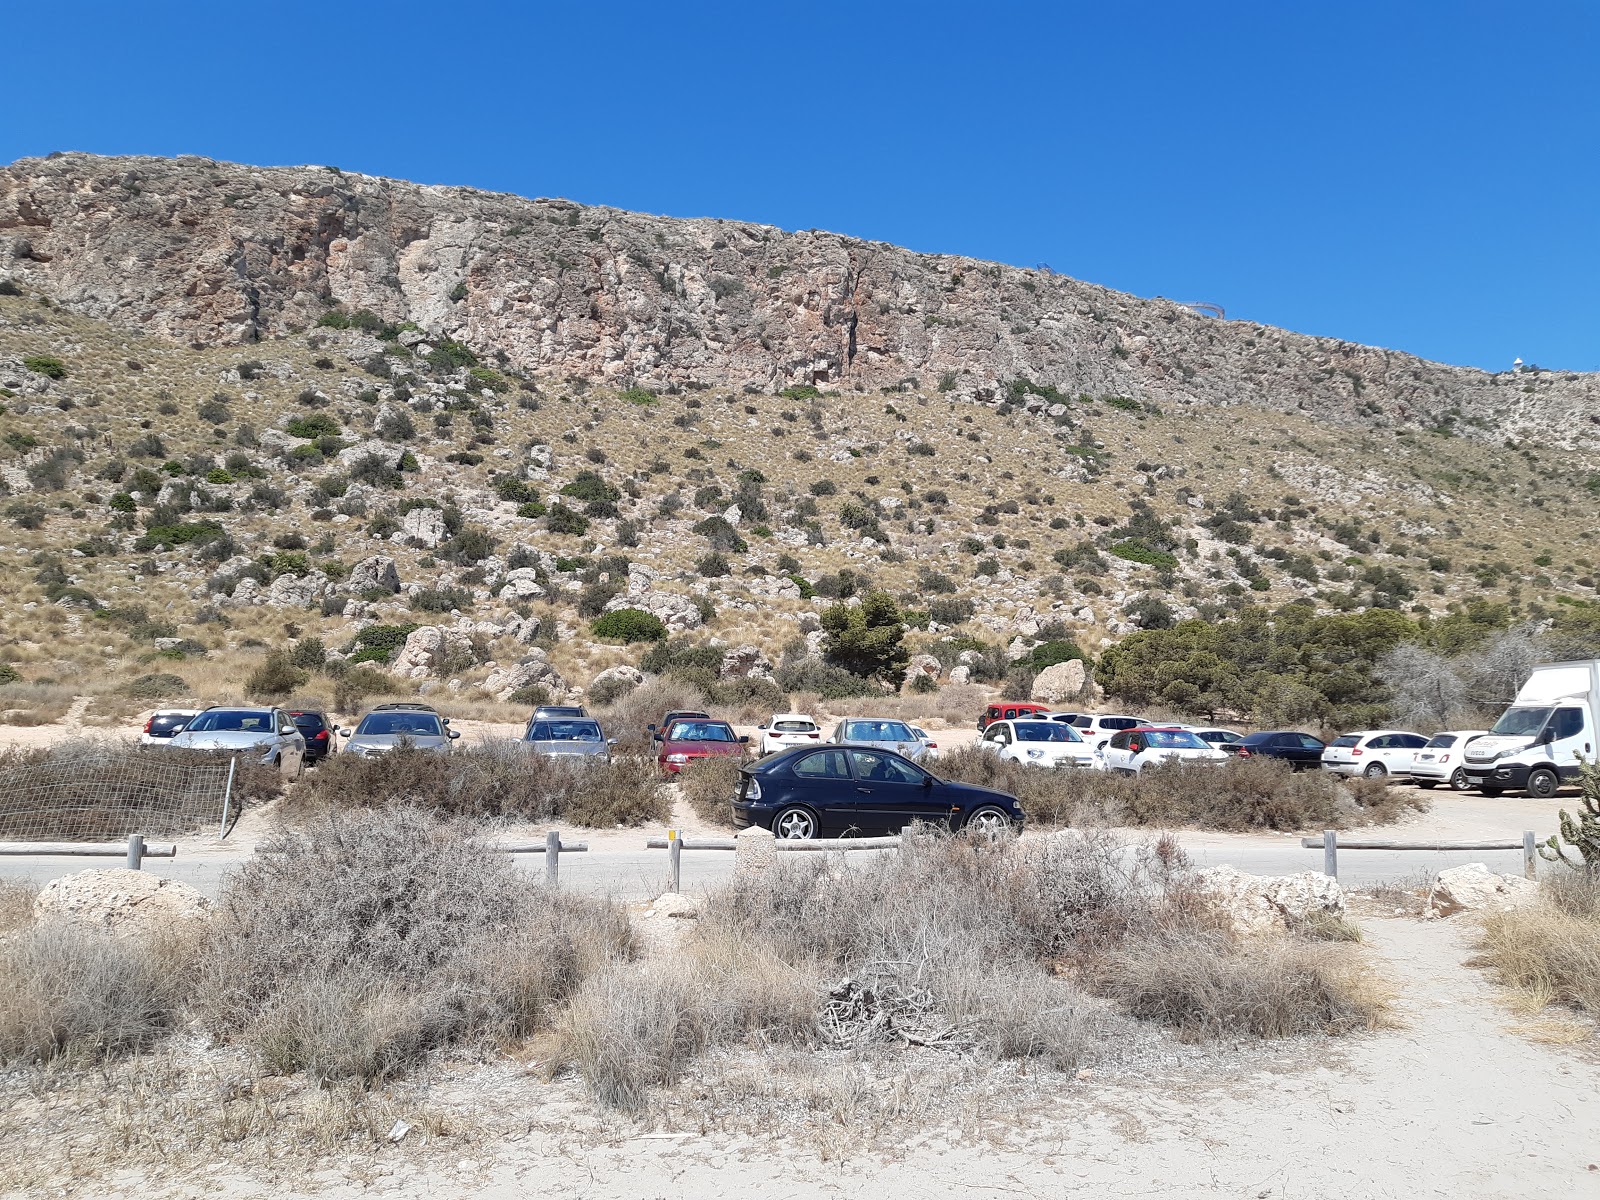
214	253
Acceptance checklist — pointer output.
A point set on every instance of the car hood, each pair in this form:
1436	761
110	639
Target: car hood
1484	749
376	743
566	749
971	793
223	739
708	748
911	749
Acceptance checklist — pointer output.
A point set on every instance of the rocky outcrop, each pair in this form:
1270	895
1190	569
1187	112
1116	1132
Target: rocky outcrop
620	678
206	252
505	682
1475	888
745	662
429	650
522	584
1063	681
298	591
925	667
375	574
424	525
132	903
1269	903
677	613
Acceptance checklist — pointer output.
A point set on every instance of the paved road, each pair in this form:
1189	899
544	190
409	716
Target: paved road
641	874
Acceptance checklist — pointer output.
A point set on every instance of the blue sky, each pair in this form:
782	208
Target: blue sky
1417	173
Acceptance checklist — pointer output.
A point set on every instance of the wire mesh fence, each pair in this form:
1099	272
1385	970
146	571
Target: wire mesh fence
105	792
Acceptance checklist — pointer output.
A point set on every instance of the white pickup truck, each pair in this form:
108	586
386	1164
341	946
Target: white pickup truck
1548	730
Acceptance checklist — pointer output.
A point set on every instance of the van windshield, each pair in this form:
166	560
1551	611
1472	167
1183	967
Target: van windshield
1521	722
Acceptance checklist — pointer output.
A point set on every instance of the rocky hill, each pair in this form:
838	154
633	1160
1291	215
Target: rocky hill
425	437
206	253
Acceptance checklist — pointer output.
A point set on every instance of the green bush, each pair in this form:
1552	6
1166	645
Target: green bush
1135	550
156	687
591	488
183	533
643	397
313	426
629	625
47	365
566	520
277	676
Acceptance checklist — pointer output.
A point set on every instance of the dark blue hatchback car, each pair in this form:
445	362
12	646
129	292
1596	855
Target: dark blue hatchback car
837	791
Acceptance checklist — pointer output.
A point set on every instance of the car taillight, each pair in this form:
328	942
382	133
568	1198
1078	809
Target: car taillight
1243	753
1444	758
813	735
149	723
321	737
1356	753
933	745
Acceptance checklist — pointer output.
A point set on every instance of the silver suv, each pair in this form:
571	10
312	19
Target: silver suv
267	734
391	725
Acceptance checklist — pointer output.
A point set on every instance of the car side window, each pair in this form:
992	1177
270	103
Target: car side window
1378	743
1010	713
876	767
1119	741
825	764
1309	742
1569	722
1135	745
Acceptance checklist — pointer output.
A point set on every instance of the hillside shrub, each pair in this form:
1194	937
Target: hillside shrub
276	676
313	425
156	686
629	625
47	365
566	520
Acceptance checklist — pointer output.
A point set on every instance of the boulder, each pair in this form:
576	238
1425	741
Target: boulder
1475	888
427	650
960	675
246	591
377	573
1268	903
755	850
923	666
426	525
130	903
504	682
745	662
676	612
1060	682
298	591
523	629
631	676
522	584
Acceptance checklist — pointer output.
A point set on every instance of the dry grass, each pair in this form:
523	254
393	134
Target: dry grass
83	996
1233	795
487	781
1550	953
627	719
709	787
34	703
374	937
16	904
978	949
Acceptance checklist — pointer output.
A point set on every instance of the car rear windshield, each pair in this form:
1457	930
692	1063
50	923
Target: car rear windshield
392	723
794	726
1175	739
308	721
564	731
1442	740
700	731
1345	740
1045	731
233	720
878	731
167	723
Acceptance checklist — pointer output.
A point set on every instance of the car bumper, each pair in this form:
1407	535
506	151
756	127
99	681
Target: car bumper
1434	771
1499	775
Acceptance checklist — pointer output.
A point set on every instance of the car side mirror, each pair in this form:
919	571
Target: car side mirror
650	728
927	781
1546	737
452	734
761	726
345	732
611	741
656	737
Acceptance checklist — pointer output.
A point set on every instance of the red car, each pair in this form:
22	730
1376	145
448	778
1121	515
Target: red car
1011	710
688	739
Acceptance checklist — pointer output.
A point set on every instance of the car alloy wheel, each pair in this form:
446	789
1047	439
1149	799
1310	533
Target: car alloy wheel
1375	771
989	821
1459	780
795	824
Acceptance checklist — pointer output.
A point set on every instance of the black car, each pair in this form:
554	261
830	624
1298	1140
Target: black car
318	733
834	791
1302	751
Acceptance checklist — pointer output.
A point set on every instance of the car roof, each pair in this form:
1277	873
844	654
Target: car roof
241	707
792	717
407	707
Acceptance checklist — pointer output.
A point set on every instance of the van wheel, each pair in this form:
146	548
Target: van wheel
1542	784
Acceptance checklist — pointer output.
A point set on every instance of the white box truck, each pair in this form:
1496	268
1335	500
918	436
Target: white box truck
1549	729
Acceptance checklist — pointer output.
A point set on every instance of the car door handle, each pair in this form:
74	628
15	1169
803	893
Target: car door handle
865	791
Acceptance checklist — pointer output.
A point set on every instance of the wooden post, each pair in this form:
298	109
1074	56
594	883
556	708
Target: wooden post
1530	855
1330	853
135	850
674	860
552	858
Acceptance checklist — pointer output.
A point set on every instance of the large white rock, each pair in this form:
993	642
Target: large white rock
504	682
1060	682
1475	888
623	673
298	591
427	649
424	524
1267	903
374	574
522	584
745	662
132	903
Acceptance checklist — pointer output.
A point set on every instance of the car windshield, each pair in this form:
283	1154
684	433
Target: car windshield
700	731
794	726
1175	739
878	731
1045	731
233	720
564	731
1345	740
1521	722
397	723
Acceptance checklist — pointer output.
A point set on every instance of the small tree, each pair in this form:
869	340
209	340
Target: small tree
630	625
1580	834
867	640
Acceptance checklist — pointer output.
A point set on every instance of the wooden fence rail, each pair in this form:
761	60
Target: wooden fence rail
1331	845
135	849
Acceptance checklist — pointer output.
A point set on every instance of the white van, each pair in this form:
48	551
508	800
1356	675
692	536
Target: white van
1549	728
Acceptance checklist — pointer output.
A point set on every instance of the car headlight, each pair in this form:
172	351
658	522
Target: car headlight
1499	754
677	758
1035	753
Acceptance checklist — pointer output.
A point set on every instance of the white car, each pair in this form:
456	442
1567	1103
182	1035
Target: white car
1220	738
1096	729
1442	760
930	748
785	731
1036	743
165	724
1373	753
1130	751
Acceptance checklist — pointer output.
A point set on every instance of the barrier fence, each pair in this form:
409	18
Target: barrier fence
106	793
675	846
1331	845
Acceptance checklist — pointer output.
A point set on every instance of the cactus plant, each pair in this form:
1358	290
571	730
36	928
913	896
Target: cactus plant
1579	834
